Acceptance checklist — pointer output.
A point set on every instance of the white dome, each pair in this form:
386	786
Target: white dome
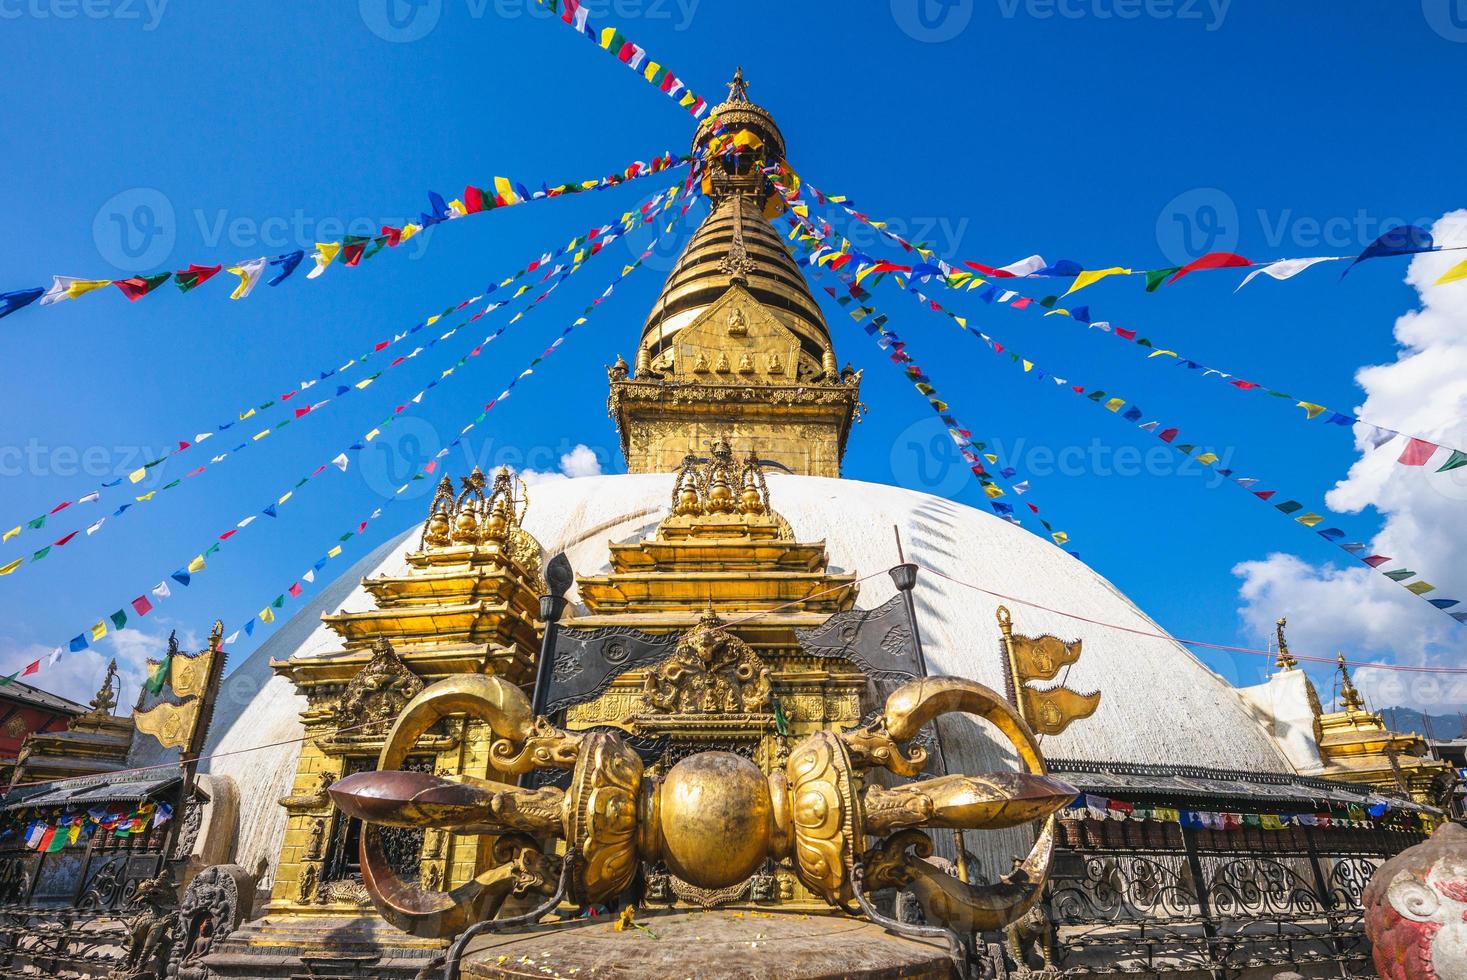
1159	703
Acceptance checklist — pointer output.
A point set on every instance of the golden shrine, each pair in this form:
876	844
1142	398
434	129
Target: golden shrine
700	682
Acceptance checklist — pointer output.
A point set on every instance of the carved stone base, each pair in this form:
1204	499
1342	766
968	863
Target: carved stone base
709	946
321	946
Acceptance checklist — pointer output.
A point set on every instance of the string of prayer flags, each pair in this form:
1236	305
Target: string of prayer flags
1362	816
576	15
1170	435
937	270
352	250
873	323
344	390
597	238
184	575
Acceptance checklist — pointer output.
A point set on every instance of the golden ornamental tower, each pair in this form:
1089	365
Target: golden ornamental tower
736	347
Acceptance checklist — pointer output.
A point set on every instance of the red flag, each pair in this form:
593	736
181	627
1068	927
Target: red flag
1167	435
1212	260
62	541
394	235
1417	452
31	668
1375	561
473	200
142	606
295	590
61	506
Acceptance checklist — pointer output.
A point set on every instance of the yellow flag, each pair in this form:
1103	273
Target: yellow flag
1421	588
1311	410
334	552
373	434
197	565
11	533
99	630
146	496
1207	459
432	319
1091	276
83	286
457	208
993	492
260	435
504	191
11	567
1454	274
408	231
267	615
1115	404
1060	537
247	415
288	495
136	476
1309	520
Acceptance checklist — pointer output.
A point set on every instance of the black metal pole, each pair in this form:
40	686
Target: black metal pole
558	579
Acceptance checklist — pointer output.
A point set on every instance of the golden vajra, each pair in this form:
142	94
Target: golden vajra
714	818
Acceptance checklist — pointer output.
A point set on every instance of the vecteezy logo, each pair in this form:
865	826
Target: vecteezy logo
1196	222
135	230
392	459
924	457
932	21
400	21
1447	17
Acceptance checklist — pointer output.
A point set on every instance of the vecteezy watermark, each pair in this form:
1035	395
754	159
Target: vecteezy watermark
932	21
924	457
1209	13
941	233
1196	222
136	230
404	21
101	463
399	453
147	12
1207	219
1447	17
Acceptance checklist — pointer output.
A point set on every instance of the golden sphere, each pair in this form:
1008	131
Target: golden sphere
717	818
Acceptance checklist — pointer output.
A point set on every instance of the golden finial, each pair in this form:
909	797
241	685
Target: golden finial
738	89
1350	698
216	635
828	364
644	361
1285	659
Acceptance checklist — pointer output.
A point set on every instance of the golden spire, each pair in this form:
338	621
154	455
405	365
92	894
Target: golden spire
1350	699
738	89
1285	659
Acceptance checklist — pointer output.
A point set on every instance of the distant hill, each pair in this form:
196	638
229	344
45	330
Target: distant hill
1434	726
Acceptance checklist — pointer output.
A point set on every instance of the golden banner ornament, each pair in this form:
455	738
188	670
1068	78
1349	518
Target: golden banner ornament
189	676
1051	712
171	724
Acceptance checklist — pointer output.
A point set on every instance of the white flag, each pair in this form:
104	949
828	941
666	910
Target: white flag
161	590
1286	268
249	276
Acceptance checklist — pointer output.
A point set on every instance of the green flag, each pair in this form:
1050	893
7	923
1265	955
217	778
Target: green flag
1155	277
159	676
781	723
1458	458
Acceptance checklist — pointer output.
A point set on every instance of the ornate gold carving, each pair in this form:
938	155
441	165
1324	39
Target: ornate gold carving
189	675
874	746
886	863
826	818
379	691
543	747
715	818
711	670
601	814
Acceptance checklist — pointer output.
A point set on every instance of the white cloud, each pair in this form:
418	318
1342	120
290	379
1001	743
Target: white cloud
580	461
1350	607
78	675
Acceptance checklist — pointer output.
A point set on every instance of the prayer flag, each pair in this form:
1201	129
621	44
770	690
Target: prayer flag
69	287
137	287
1212	260
18	299
249	276
324	255
1454	274
1402	240
195	276
1285	268
1417	452
1089	277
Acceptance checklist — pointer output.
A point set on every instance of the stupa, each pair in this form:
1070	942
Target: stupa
734	417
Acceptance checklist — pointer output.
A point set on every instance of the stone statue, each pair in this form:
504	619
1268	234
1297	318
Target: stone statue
151	932
308	883
1416	910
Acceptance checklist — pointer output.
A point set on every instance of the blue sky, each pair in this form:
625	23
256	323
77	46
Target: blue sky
1110	132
